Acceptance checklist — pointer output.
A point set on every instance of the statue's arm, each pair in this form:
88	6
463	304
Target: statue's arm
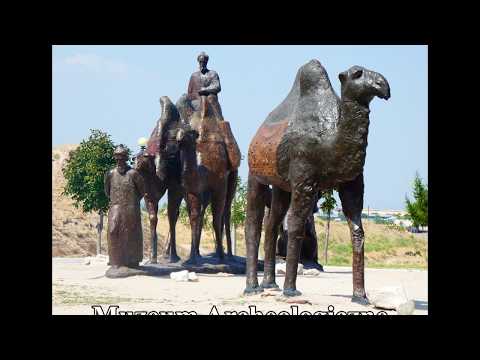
214	87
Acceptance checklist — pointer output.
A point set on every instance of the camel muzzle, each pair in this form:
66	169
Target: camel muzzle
382	87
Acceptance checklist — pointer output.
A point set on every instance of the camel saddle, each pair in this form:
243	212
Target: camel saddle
216	143
262	153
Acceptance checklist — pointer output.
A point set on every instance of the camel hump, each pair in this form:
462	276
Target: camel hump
311	81
233	151
185	108
153	142
169	110
169	119
311	97
287	106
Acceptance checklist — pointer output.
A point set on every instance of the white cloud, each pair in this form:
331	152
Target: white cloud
96	63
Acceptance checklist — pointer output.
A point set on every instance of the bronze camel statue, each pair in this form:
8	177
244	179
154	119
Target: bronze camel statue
209	171
311	142
156	187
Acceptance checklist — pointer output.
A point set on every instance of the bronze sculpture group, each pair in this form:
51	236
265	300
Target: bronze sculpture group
313	141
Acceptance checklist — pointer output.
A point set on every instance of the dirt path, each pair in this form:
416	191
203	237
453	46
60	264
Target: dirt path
76	287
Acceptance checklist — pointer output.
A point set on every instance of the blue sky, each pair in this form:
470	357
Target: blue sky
117	89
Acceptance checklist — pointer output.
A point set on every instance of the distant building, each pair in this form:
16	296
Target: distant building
384	213
403	222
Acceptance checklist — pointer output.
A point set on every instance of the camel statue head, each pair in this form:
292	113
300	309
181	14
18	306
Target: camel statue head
144	162
362	85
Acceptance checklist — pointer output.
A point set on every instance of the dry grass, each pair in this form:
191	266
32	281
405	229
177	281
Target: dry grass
384	246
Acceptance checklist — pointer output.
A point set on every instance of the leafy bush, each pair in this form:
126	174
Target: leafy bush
85	170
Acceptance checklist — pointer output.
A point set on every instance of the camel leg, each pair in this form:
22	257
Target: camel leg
278	209
231	188
226	225
195	213
152	208
351	196
303	197
205	200
175	196
218	209
281	242
253	230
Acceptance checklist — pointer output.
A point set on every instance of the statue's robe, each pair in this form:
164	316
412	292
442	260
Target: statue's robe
125	238
210	82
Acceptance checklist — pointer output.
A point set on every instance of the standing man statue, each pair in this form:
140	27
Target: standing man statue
124	188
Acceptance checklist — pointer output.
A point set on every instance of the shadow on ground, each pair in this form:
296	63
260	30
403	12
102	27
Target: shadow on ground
206	264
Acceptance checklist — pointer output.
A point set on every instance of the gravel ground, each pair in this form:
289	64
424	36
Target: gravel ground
76	287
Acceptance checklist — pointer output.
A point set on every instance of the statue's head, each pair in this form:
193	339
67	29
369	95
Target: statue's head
121	156
363	85
202	59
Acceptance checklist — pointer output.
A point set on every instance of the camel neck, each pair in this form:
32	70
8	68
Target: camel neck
189	166
354	119
151	180
353	133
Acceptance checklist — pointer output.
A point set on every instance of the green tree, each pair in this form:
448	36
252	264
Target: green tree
238	210
239	203
84	172
418	209
327	206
